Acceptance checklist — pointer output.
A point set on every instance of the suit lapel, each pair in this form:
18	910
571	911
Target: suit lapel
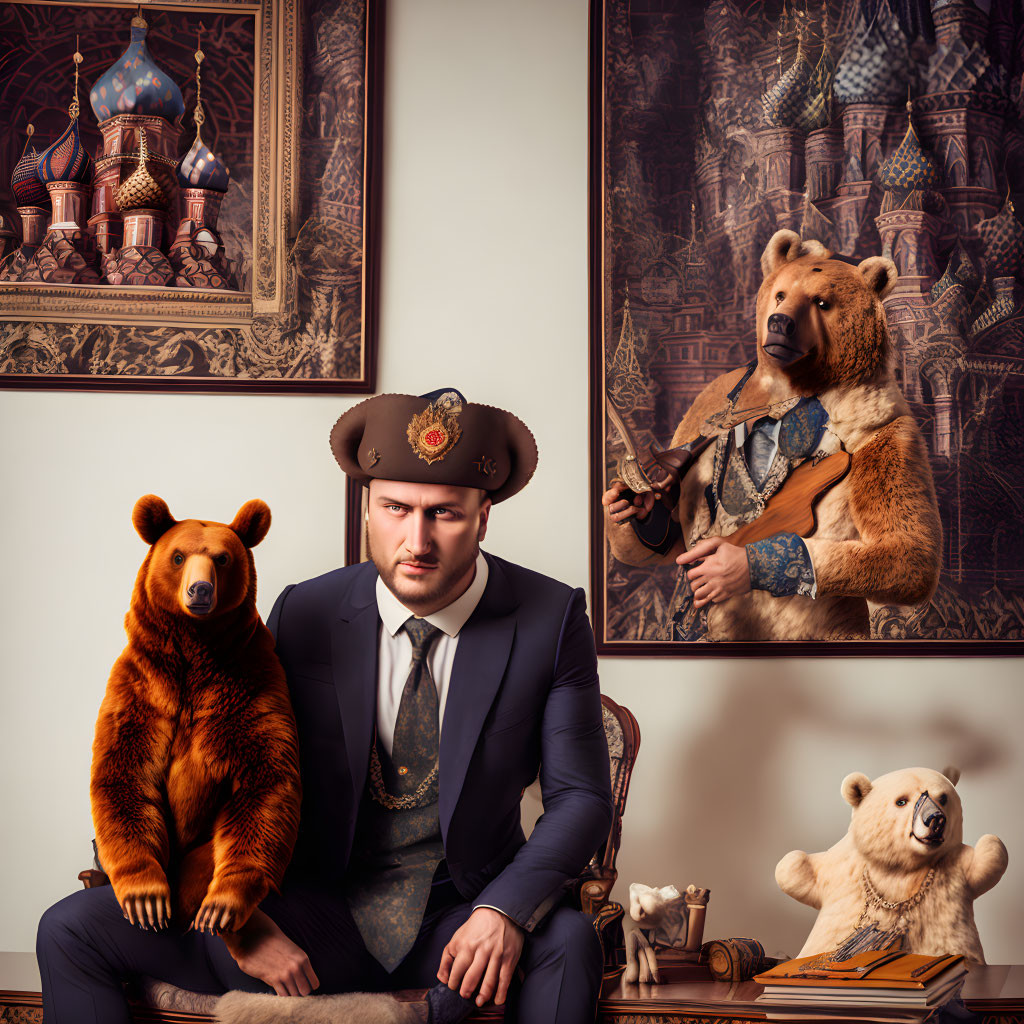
485	643
354	643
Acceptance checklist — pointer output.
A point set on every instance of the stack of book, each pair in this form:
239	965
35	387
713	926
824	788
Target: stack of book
876	980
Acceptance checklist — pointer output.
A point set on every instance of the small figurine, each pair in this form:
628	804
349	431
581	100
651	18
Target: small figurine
667	920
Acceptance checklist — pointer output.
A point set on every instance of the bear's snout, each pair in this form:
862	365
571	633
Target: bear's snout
779	323
929	825
781	341
200	597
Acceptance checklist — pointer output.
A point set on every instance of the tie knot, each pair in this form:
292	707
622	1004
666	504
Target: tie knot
421	633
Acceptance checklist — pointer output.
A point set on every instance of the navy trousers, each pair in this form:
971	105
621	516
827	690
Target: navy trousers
86	949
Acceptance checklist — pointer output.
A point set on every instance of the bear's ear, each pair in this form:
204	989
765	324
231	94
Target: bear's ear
855	787
785	246
952	773
252	522
880	274
151	518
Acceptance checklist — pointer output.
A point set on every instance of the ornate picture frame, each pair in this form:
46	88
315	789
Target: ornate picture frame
687	186
296	120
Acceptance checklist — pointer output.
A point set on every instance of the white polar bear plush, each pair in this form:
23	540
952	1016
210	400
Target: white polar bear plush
901	874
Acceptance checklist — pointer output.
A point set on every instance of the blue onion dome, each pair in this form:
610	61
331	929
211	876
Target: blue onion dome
909	167
784	102
25	184
1003	236
200	168
135	85
67	159
875	66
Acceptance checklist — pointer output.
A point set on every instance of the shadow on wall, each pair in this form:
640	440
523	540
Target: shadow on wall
738	795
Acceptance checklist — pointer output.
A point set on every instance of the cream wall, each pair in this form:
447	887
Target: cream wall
483	287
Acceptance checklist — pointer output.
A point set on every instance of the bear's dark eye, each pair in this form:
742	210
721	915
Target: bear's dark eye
779	297
943	799
821	303
221	559
178	558
902	802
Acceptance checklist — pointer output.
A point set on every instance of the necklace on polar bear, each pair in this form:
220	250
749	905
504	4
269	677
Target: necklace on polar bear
870	934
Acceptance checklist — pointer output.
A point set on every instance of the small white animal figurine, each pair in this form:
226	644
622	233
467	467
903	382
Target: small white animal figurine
666	919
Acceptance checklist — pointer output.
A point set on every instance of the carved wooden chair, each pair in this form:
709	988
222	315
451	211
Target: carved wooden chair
160	1003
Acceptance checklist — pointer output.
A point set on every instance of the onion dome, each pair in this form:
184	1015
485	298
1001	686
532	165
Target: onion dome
875	66
1003	236
67	159
957	67
25	184
817	111
200	168
1001	308
134	84
959	271
909	167
785	100
141	191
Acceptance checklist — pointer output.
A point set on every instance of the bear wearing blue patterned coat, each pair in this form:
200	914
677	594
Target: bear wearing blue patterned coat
822	383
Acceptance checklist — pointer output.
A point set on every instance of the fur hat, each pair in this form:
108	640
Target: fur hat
438	438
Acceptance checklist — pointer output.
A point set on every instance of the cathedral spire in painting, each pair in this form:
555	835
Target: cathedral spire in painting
134	84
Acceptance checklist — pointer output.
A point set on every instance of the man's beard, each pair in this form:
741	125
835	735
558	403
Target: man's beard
442	580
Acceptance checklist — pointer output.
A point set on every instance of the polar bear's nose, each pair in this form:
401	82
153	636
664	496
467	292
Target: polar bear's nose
929	820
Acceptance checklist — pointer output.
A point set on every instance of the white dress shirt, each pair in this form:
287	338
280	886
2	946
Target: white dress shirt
395	649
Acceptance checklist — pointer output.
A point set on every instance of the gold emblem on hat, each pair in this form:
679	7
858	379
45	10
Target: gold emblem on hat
373	457
486	465
434	432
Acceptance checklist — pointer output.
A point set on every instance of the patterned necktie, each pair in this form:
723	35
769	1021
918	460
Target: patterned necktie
758	449
414	751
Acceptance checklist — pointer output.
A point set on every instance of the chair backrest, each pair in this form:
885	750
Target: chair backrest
623	735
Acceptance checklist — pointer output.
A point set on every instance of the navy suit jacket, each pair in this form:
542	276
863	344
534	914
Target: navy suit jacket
523	697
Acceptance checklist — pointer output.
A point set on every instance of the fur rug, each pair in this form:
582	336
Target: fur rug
351	1008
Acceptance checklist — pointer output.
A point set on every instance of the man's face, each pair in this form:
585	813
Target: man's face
424	539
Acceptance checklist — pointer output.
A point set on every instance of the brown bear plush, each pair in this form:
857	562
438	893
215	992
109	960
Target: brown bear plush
822	385
195	772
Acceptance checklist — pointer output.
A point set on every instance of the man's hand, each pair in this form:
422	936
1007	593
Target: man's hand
724	573
620	509
481	956
263	951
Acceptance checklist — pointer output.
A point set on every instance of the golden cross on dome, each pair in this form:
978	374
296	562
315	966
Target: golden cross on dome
199	116
30	130
77	58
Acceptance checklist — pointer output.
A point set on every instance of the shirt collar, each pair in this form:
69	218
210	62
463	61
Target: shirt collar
449	619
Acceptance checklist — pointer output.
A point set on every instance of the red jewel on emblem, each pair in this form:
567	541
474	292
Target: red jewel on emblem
435	437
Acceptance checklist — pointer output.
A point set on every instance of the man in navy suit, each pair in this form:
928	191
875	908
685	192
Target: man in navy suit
430	685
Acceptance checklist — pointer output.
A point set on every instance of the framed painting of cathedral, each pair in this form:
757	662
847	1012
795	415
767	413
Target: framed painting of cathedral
188	195
872	509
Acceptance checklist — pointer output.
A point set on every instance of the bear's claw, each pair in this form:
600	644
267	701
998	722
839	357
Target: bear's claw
148	911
